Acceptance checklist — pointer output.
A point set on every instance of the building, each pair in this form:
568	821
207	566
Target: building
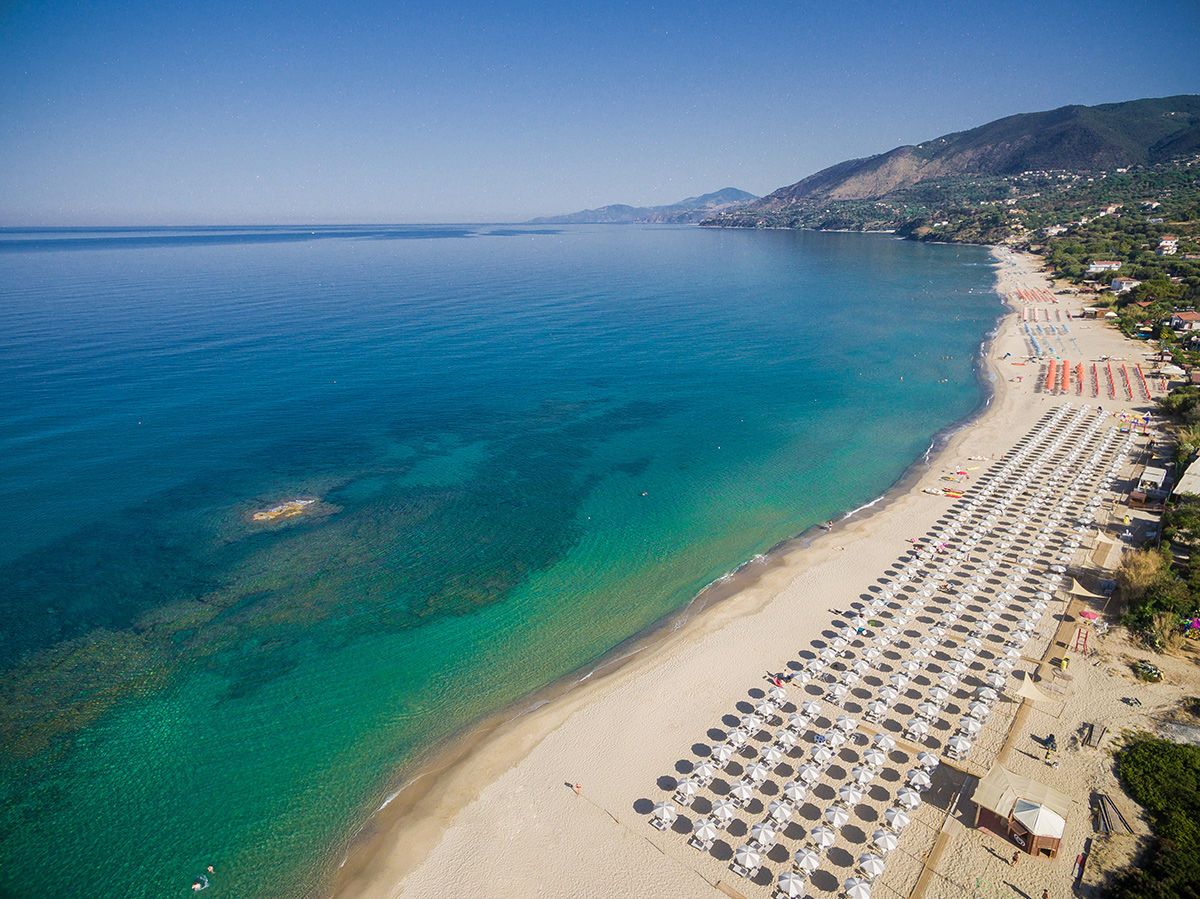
1185	321
1027	813
1103	265
1152	488
1121	285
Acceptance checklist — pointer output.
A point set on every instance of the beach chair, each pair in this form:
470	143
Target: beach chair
702	845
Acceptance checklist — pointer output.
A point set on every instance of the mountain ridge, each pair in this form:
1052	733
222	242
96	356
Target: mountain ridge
690	209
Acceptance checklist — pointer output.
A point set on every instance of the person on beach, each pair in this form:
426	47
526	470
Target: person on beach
1016	858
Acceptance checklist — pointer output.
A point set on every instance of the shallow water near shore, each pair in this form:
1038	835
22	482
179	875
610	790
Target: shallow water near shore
527	445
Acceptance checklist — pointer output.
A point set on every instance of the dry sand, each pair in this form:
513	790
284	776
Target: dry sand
505	820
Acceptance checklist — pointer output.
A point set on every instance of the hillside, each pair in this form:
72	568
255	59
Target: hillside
901	184
692	209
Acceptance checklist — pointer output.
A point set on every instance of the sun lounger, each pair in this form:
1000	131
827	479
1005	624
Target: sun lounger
1095	733
702	845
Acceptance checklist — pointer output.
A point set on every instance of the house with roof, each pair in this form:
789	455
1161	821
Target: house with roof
1103	265
1122	285
1029	814
1185	321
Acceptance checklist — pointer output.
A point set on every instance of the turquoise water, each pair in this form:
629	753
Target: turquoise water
526	445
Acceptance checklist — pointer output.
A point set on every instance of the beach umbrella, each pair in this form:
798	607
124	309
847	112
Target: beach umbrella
777	694
992	616
721	753
969	727
822	837
849	633
987	694
828	653
872	653
862	774
928	710
861	665
741	790
705	830
839	643
857	888
752	724
839	692
961	745
790	884
802	677
978	710
850	794
889	694
930	642
794	791
966	654
704	770
798	721
948	680
851	678
688	787
1004	665
892	631
906	798
763	833
897	818
822	754
879	602
664	812
1028	624
910	666
928	760
748	857
919	780
916	728
874	757
877	709
738	736
724	811
871	864
957	668
757	772
921	655
973	643
996	679
938	631
785	740
885	841
845	723
815	666
837	815
835	739
807	859
811	708
809	773
883	742
771	755
900	680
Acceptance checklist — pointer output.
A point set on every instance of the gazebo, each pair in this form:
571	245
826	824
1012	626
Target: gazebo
1028	813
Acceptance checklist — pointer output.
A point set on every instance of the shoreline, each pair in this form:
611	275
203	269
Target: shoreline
397	838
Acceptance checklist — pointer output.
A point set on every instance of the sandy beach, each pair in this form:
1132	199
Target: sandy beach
557	802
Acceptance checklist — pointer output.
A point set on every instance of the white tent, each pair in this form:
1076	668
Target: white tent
1038	819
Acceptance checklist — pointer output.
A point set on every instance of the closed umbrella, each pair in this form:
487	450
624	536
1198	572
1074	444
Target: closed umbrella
875	758
780	810
871	864
885	841
919	780
857	888
724	811
897	818
790	885
795	792
807	859
845	723
748	857
741	790
850	794
822	837
837	815
906	798
883	742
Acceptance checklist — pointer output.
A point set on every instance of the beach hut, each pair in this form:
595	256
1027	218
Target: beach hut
1029	814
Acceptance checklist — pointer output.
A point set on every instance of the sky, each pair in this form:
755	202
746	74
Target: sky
299	112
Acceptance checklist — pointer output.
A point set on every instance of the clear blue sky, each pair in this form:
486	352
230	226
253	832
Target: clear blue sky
244	112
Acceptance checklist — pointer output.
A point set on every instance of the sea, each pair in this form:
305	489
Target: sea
523	447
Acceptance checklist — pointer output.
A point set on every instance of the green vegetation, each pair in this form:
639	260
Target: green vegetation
1164	778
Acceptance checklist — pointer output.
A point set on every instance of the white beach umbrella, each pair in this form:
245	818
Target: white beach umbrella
798	721
828	653
811	708
785	740
839	643
861	665
987	694
850	794
757	772
978	710
795	791
928	760
777	694
876	708
930	642
851	678
790	885
871	864
807	859
973	643
993	616
771	756
815	666
948	680
882	640
928	710
822	837
835	739
1005	665
961	745
845	723
969	727
885	841
764	833
721	753
872	652
900	680
862	774
665	812
837	815
704	770
957	668
741	790
966	654
919	780
906	798
917	729
897	818
938	631
838	692
822	754
688	787
748	857
889	694
752	724
810	774
910	666
724	811
704	830
920	655
996	679
874	757
883	742
857	888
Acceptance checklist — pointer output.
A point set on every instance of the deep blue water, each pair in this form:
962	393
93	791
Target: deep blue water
508	431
